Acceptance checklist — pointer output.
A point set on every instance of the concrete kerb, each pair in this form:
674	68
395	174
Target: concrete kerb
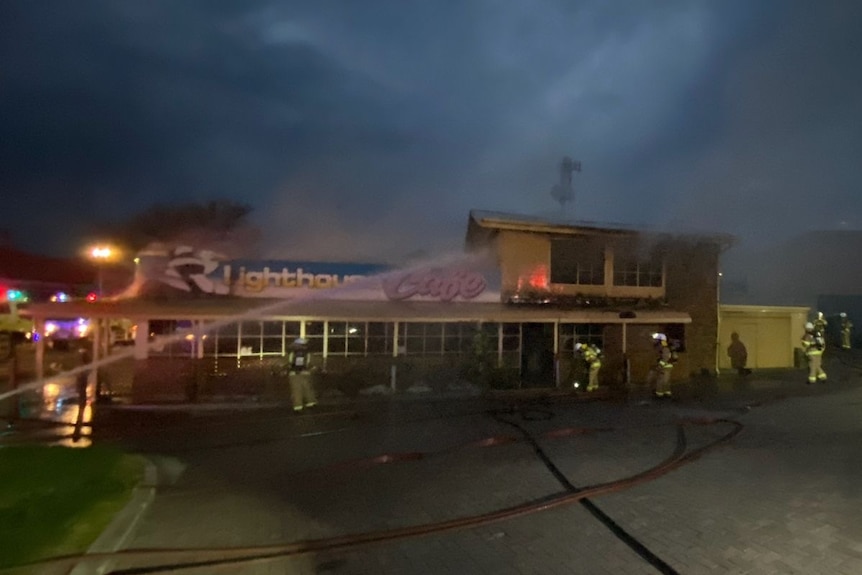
121	528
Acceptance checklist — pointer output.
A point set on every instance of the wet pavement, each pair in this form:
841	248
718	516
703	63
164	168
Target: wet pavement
489	485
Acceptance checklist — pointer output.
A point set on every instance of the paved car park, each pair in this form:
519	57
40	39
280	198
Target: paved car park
489	485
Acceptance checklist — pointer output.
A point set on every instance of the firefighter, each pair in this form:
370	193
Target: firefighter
820	324
299	376
592	356
814	344
664	365
846	327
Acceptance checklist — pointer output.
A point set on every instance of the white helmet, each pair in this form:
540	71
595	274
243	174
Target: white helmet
659	337
809	326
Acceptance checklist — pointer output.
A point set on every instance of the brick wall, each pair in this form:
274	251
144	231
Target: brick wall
692	286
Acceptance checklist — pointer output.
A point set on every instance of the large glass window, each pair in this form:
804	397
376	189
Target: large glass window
172	338
676	335
632	271
337	343
227	340
480	336
458	337
208	338
579	261
272	337
572	333
278	335
418	338
314	335
412	338
433	338
511	353
511	337
355	338
380	338
346	338
250	337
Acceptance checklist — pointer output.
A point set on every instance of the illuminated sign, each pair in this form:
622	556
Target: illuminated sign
205	272
296	277
201	272
442	284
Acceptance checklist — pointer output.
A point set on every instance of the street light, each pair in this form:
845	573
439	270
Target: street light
100	254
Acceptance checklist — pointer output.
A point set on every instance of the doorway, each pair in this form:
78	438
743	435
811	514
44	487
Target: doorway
537	355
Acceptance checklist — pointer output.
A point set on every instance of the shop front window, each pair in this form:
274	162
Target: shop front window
572	333
250	337
419	338
380	336
314	334
171	338
355	338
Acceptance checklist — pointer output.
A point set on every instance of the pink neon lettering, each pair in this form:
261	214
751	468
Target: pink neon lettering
434	283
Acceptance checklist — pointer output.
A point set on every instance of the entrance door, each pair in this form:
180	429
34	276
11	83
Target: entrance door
537	355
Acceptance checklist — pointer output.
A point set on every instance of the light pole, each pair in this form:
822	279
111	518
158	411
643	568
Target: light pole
100	254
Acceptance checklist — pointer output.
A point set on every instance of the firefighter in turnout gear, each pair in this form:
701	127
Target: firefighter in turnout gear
846	328
592	356
664	365
820	324
813	343
299	376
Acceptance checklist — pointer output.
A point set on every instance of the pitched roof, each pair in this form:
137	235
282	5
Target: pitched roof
490	220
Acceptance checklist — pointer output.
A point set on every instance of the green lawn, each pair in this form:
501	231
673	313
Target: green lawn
57	500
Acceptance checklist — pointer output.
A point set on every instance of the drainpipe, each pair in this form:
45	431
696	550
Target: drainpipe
627	368
557	353
717	322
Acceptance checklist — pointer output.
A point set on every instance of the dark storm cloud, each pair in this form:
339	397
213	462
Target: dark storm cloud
782	162
368	129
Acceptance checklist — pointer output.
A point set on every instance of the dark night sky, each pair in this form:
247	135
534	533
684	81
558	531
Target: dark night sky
367	130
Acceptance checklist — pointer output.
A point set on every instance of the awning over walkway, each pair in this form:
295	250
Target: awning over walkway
332	309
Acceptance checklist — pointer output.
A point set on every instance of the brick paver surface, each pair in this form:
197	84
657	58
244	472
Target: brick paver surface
782	497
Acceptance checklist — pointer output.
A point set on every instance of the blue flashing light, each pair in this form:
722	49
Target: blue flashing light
60	297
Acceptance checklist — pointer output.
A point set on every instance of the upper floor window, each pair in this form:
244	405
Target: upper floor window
633	271
577	261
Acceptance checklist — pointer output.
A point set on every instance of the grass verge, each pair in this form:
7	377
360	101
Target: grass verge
57	500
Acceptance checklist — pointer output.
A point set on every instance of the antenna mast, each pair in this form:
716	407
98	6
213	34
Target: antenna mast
563	192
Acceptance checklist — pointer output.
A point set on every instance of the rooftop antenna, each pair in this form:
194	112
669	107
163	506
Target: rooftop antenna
564	192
